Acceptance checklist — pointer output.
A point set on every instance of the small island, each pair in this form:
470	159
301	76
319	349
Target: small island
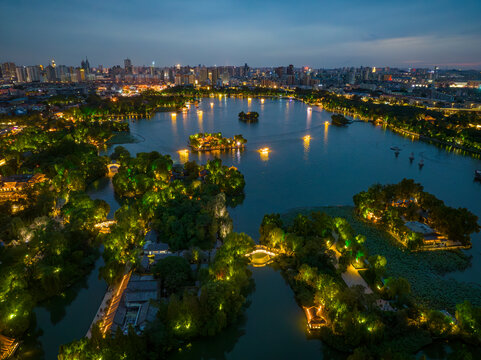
249	117
354	300
340	120
415	218
215	141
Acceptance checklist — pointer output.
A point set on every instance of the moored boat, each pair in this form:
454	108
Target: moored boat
477	175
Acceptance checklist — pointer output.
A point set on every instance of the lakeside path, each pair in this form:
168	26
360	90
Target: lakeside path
351	276
109	304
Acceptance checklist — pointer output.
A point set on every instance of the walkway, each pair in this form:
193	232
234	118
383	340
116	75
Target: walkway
109	305
351	276
8	346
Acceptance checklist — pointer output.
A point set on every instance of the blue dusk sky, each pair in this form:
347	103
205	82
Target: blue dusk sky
335	33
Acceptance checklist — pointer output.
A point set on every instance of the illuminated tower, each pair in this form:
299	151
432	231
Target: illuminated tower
128	66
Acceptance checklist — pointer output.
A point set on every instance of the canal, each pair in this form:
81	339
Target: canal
328	169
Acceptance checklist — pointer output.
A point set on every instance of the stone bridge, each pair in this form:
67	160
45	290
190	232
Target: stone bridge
104	227
264	255
113	169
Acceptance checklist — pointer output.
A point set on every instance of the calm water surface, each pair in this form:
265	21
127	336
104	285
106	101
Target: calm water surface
327	170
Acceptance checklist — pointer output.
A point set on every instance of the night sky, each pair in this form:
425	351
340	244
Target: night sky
336	33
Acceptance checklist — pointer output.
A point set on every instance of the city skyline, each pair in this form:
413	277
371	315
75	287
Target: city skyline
315	34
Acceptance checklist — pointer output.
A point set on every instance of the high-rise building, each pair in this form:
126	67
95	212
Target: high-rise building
21	74
246	69
62	73
178	79
34	73
214	76
128	66
290	70
9	70
225	77
351	76
85	65
152	68
203	74
279	71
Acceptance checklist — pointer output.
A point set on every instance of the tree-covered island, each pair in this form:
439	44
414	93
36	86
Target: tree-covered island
350	301
417	219
249	117
339	120
215	141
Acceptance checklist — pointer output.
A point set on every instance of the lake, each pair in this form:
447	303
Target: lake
328	169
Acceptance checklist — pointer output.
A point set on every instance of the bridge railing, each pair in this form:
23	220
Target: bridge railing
268	251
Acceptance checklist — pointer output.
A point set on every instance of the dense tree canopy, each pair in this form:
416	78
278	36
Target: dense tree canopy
389	203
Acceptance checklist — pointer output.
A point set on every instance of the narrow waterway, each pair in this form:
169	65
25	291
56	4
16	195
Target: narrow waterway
328	169
68	317
274	327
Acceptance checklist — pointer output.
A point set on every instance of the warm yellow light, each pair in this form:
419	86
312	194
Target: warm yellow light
199	112
307	137
262	101
173	114
249	99
309	109
183	155
326	123
264	150
212	104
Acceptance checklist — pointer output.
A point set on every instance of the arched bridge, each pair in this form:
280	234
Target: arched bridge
261	249
113	168
104	227
263	255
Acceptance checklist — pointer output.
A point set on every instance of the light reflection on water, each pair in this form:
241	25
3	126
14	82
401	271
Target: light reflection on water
340	163
307	142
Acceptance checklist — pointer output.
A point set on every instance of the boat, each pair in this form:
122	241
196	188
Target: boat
411	157
477	175
395	148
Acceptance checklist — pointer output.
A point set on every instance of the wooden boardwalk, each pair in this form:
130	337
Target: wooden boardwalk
109	305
